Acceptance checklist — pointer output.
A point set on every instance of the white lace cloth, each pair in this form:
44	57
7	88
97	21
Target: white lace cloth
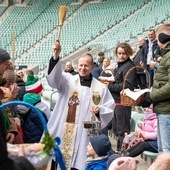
38	159
134	94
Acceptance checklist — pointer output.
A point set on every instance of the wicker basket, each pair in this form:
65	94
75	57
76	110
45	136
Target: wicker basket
103	79
126	100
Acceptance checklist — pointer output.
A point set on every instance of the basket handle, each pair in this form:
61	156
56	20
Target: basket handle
133	69
106	70
28	105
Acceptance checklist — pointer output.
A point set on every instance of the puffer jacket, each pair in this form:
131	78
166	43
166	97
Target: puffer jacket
32	126
149	127
97	164
160	94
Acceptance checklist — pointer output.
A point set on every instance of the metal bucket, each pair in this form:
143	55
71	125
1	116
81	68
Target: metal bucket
93	127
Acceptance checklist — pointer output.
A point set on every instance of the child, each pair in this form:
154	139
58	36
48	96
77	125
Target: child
32	125
148	132
97	151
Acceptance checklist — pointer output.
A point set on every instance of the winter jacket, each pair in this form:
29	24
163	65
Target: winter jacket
149	127
136	61
97	164
71	71
144	51
32	126
161	88
119	74
96	71
21	90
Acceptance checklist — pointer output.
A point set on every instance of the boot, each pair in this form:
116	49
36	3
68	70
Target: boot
119	143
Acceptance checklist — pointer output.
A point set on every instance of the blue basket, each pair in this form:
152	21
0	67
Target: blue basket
57	141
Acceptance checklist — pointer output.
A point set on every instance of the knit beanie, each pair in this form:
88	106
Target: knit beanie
33	85
31	98
4	56
100	144
163	38
124	163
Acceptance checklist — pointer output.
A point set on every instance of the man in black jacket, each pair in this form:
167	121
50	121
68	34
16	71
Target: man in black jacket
148	53
69	68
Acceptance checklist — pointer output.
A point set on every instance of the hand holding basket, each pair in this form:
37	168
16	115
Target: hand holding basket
107	79
128	101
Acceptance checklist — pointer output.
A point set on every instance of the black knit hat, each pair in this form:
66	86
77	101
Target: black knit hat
163	38
101	144
4	56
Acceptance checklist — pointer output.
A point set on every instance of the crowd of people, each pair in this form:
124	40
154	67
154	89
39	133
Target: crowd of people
84	97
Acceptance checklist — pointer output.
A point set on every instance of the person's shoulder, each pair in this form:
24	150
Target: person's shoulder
129	63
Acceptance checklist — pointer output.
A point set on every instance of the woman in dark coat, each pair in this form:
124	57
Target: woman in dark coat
122	114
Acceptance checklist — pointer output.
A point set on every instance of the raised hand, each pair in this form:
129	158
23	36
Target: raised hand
57	49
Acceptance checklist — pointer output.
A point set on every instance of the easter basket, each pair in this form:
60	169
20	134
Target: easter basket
128	100
39	154
107	79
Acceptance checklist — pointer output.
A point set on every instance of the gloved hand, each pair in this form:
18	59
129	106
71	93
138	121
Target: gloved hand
146	102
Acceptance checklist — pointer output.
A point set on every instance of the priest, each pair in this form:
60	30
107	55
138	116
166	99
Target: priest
81	98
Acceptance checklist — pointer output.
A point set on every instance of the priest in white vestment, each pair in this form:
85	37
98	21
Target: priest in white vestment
80	97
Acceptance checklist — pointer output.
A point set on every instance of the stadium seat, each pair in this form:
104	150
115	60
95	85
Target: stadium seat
149	155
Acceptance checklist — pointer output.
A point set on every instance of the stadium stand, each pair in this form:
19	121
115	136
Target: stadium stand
89	24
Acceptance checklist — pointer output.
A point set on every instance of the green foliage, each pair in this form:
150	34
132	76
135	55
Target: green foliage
48	141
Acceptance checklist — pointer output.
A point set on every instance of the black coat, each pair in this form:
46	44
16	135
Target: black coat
136	61
71	72
119	74
21	90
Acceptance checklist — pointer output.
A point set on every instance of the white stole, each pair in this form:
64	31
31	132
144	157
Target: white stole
69	130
